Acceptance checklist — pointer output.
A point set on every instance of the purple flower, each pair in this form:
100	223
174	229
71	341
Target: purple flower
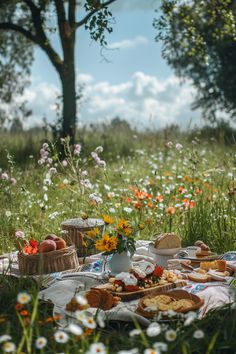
94	155
77	149
20	234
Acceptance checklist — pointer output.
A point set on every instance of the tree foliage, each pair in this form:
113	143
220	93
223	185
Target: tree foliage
199	42
25	24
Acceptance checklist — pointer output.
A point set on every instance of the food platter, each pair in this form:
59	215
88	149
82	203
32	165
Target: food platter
128	296
178	297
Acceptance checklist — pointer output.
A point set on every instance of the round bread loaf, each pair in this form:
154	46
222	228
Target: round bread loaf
167	241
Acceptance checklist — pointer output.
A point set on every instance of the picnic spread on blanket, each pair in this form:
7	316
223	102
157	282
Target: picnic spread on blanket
145	281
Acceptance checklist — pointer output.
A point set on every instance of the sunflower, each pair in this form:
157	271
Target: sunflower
93	233
108	219
106	243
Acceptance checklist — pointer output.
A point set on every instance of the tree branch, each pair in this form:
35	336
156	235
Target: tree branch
13	27
91	13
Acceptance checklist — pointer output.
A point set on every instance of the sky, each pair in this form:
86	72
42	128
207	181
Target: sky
133	82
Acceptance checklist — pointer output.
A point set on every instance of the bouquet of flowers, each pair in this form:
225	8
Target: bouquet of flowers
119	236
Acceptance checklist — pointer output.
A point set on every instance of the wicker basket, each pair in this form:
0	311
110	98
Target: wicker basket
48	262
77	228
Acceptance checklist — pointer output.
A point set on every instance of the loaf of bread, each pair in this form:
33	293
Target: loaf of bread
167	241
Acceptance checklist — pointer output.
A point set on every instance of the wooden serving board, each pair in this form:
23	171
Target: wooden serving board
128	296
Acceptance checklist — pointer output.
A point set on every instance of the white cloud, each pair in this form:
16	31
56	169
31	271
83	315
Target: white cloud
144	101
129	43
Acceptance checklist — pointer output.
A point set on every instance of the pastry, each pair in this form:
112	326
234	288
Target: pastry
221	265
102	299
209	265
167	241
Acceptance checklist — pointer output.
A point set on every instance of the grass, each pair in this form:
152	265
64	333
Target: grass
144	177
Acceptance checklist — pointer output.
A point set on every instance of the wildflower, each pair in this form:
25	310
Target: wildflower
154	329
8	213
24	313
135	332
179	146
13	181
93	233
84	173
81	300
95	198
99	149
52	171
20	234
108	219
89	322
151	351
80	315
170	210
46	146
40	342
75	329
198	334
102	163
61	336
77	149
112	210
169	144
4	338
191	316
170	335
5	176
9	347
128	210
131	351
106	243
97	348
64	163
23	298
162	347
100	320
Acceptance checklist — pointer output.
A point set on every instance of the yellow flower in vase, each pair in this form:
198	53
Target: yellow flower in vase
93	233
106	243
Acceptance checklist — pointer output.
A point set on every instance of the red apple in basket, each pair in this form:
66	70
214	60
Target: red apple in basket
60	243
47	246
51	237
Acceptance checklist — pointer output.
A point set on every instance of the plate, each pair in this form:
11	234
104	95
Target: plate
177	295
163	252
132	295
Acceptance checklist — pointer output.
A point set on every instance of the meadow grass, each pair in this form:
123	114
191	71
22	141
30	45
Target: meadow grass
163	183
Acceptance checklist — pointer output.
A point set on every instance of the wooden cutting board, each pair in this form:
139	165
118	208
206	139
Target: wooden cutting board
128	296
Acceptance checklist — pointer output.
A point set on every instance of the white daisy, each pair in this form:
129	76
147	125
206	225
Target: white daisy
40	342
75	329
61	337
80	315
151	351
170	335
23	298
198	334
9	347
89	322
97	348
160	346
4	338
81	300
154	329
135	332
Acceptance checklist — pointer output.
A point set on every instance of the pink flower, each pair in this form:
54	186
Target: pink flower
13	181
5	176
20	234
77	149
64	163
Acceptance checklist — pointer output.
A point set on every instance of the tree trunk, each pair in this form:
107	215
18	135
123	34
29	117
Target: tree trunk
68	101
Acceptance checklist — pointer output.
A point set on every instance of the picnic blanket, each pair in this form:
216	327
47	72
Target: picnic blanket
61	287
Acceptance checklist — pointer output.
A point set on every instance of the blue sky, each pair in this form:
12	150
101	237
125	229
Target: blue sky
135	84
